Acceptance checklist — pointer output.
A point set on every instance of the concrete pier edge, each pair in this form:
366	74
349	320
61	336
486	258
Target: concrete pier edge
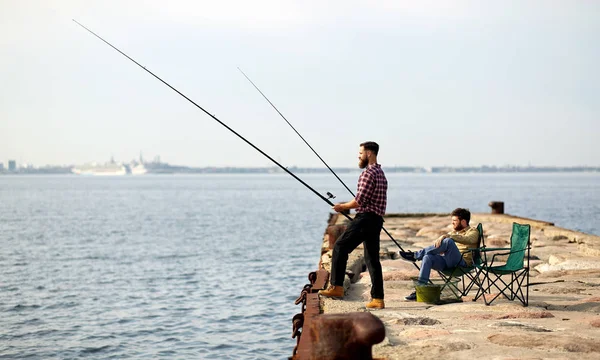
580	259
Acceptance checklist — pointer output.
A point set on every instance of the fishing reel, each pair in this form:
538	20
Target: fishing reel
330	196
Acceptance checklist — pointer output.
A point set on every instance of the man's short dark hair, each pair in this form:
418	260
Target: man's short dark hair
462	214
371	145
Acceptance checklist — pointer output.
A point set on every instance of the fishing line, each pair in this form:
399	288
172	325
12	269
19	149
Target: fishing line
313	150
227	127
214	118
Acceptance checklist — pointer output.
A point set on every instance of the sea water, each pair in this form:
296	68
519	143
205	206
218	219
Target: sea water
203	266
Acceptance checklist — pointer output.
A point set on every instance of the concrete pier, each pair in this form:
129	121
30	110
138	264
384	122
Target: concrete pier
562	320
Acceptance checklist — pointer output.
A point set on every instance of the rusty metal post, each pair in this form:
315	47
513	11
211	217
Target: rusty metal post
497	207
322	277
344	336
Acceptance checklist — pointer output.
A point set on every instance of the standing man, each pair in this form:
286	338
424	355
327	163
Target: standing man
370	203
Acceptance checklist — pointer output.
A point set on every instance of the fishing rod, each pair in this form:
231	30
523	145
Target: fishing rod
293	128
217	120
313	150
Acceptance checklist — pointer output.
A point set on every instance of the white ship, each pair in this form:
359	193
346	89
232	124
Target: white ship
138	169
110	169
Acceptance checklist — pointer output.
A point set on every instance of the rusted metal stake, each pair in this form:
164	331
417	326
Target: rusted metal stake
344	336
497	207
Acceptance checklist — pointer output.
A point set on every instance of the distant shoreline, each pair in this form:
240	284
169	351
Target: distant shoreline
168	169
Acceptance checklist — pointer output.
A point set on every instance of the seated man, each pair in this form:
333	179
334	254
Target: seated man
445	253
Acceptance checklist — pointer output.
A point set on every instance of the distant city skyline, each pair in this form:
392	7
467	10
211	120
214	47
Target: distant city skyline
455	83
12	164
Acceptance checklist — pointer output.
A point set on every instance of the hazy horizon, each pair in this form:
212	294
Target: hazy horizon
273	165
459	83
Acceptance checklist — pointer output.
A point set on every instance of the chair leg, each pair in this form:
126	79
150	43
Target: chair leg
473	280
455	290
478	280
524	297
507	287
527	284
514	287
491	283
448	283
482	288
481	278
489	288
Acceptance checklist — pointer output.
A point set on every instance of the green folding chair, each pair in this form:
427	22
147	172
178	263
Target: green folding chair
515	266
468	275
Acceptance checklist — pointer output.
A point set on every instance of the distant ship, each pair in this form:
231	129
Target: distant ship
138	169
113	168
110	169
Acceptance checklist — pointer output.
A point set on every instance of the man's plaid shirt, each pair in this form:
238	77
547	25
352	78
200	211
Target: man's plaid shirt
371	195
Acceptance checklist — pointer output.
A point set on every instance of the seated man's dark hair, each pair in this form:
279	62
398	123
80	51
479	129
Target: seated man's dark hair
462	214
371	145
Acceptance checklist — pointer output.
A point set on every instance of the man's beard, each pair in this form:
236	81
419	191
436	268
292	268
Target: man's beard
362	163
459	227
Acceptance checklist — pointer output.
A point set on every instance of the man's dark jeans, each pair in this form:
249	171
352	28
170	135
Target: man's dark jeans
365	228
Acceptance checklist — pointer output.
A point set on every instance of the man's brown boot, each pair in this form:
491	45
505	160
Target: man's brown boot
376	304
333	291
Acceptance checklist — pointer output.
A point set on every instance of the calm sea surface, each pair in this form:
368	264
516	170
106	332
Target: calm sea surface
207	266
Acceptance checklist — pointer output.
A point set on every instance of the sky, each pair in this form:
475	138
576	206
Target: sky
435	83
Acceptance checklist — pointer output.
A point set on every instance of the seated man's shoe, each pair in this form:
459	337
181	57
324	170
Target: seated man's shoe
407	255
376	304
333	291
411	297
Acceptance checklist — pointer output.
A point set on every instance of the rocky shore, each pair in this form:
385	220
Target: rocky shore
562	320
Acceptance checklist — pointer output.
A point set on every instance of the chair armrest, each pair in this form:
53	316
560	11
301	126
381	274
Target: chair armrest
472	249
510	252
504	253
493	249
